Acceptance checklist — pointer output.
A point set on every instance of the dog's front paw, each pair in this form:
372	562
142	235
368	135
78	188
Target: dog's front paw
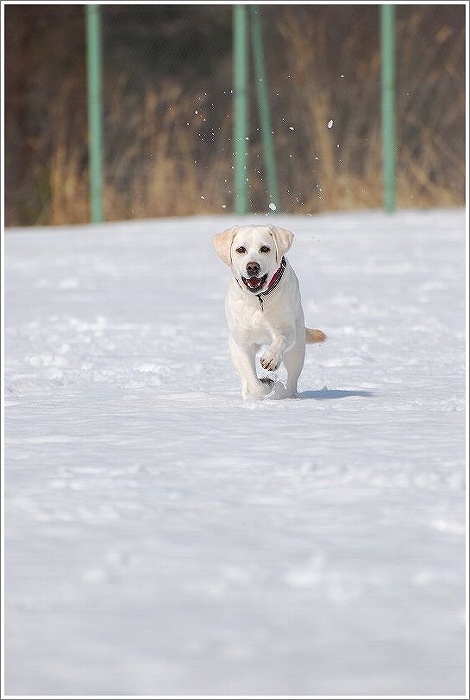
270	360
260	390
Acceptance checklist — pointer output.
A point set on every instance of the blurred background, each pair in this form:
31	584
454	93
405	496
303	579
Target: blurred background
168	108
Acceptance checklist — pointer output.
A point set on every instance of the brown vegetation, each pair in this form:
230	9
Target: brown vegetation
168	110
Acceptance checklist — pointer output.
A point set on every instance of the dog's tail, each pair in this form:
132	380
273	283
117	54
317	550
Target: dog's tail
313	335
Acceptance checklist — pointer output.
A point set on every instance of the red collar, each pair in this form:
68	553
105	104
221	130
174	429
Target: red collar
276	278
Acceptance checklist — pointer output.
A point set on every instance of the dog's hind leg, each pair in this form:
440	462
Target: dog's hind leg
294	362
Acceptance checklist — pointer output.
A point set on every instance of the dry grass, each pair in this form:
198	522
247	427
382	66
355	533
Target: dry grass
152	164
168	151
339	129
169	177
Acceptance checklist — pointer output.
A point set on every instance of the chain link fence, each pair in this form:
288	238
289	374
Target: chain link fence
168	108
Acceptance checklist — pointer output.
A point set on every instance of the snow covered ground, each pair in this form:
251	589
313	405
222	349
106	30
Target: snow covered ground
163	537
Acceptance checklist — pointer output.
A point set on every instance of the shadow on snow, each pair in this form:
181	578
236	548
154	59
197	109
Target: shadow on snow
325	394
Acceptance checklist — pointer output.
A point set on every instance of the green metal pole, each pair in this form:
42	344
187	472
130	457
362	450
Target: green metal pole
95	126
240	108
387	32
263	106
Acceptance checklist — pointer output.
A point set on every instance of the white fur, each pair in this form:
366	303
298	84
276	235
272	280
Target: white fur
277	321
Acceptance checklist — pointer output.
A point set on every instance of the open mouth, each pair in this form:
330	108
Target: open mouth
254	284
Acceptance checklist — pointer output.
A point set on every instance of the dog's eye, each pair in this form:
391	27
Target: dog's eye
241	250
264	249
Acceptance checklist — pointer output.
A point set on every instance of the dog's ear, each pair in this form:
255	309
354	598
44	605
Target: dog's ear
283	240
223	243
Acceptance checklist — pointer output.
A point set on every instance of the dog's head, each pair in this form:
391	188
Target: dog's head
254	253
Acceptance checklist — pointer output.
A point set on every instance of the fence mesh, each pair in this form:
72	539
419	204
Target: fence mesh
167	103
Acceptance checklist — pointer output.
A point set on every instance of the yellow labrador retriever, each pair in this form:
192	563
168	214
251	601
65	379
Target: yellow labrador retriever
263	307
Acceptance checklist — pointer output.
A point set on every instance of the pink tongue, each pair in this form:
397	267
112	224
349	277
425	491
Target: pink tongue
254	281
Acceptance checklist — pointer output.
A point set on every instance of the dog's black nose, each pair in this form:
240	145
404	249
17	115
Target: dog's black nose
252	269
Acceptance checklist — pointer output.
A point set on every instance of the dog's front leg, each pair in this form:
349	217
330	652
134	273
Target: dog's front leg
272	357
243	359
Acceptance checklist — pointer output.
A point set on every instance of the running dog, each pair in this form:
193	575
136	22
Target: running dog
263	307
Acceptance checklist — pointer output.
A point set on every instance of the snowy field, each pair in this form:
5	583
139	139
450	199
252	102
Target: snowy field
163	537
